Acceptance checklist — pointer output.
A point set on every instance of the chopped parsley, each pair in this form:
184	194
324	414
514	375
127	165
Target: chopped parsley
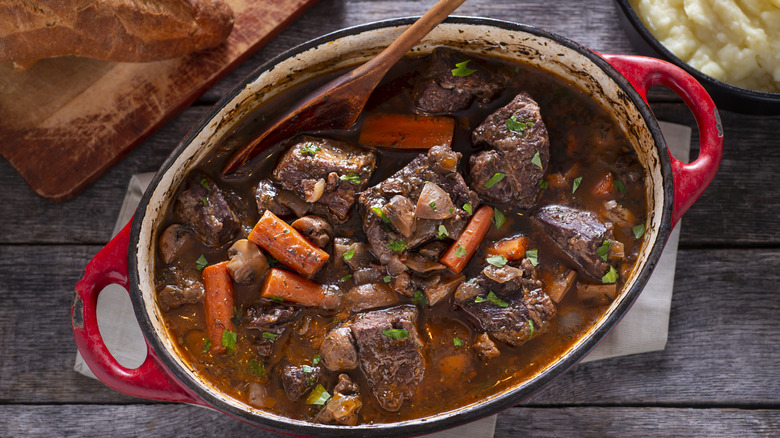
491	297
543	184
462	69
469	209
396	333
497	260
576	185
387	279
639	230
206	346
379	212
603	250
479	300
516	124
276	298
318	396
270	336
205	201
345	278
433	205
236	320
531	326
349	254
611	276
307	369
420	299
498	218
201	263
354	178
229	341
457	342
316	359
533	256
310	149
443	232
460	251
498	176
536	160
286	231
205	183
257	368
397	245
620	186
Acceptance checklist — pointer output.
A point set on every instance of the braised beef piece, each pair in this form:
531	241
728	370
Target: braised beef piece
578	233
266	323
298	380
389	349
485	347
441	91
345	385
377	206
325	171
175	240
205	209
517	135
176	289
266	197
314	228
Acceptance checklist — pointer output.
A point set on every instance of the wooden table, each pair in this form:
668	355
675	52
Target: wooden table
719	374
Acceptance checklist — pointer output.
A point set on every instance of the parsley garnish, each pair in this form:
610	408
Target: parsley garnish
496	300
460	252
205	201
236	320
349	254
206	346
638	230
345	278
270	336
543	184
354	178
379	212
620	186
397	245
443	232
536	160
276	298
205	183
318	396
457	342
307	369
201	263
497	260
498	176
316	359
396	333
462	70
387	279
469	209
479	300
420	299
433	205
257	367
309	148
610	277
533	256
498	218
515	124
531	324
229	341
576	184
603	250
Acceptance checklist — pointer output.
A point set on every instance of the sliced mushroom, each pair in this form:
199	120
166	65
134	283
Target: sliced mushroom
596	293
560	284
315	228
400	213
338	350
371	274
502	274
246	263
418	263
171	242
355	254
434	203
370	296
290	200
443	289
266	198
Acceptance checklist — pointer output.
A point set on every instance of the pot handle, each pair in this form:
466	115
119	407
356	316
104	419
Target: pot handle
150	380
690	179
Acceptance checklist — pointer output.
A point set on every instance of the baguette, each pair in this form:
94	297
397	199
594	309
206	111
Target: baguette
112	30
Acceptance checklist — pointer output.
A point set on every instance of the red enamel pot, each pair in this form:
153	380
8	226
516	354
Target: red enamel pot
618	83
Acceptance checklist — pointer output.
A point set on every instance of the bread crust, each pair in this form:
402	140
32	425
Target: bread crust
114	30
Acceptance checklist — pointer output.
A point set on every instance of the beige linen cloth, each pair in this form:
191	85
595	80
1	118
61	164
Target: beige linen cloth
644	328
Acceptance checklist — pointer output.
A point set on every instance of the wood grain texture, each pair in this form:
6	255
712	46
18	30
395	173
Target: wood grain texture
66	120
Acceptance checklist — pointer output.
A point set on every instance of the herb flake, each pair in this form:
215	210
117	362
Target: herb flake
205	183
639	230
318	396
603	250
443	232
461	69
381	213
620	186
495	179
345	278
257	368
536	160
387	279
493	298
310	149
349	254
576	184
206	346
354	178
543	184
611	276
270	336
533	256
497	260
229	341
201	263
433	205
457	342
396	333
498	218
316	359
516	124
468	208
420	299
397	245
460	251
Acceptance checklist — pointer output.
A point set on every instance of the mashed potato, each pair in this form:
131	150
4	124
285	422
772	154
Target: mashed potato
734	41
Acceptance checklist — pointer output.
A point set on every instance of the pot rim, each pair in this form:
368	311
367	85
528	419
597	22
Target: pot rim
455	417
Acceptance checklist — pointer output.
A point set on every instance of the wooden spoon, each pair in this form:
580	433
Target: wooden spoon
337	104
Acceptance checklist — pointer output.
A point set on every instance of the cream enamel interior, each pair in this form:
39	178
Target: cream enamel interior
351	50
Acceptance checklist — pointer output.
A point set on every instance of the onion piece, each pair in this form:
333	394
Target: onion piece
434	203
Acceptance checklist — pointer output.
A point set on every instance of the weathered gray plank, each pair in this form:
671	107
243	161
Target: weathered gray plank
178	420
716	356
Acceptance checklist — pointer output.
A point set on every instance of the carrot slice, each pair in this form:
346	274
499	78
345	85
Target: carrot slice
605	188
287	245
281	284
463	249
512	249
406	131
219	303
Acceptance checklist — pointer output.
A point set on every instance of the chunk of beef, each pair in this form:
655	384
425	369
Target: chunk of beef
578	233
517	133
338	350
441	91
266	322
341	409
485	347
298	380
389	349
370	296
327	172
266	196
176	289
345	385
204	207
315	228
436	168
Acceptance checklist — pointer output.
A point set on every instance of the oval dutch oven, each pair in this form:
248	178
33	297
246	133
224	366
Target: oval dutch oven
619	83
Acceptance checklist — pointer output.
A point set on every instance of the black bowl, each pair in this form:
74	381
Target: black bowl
726	96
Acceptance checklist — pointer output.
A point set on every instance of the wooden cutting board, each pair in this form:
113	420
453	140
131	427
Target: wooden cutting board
65	121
